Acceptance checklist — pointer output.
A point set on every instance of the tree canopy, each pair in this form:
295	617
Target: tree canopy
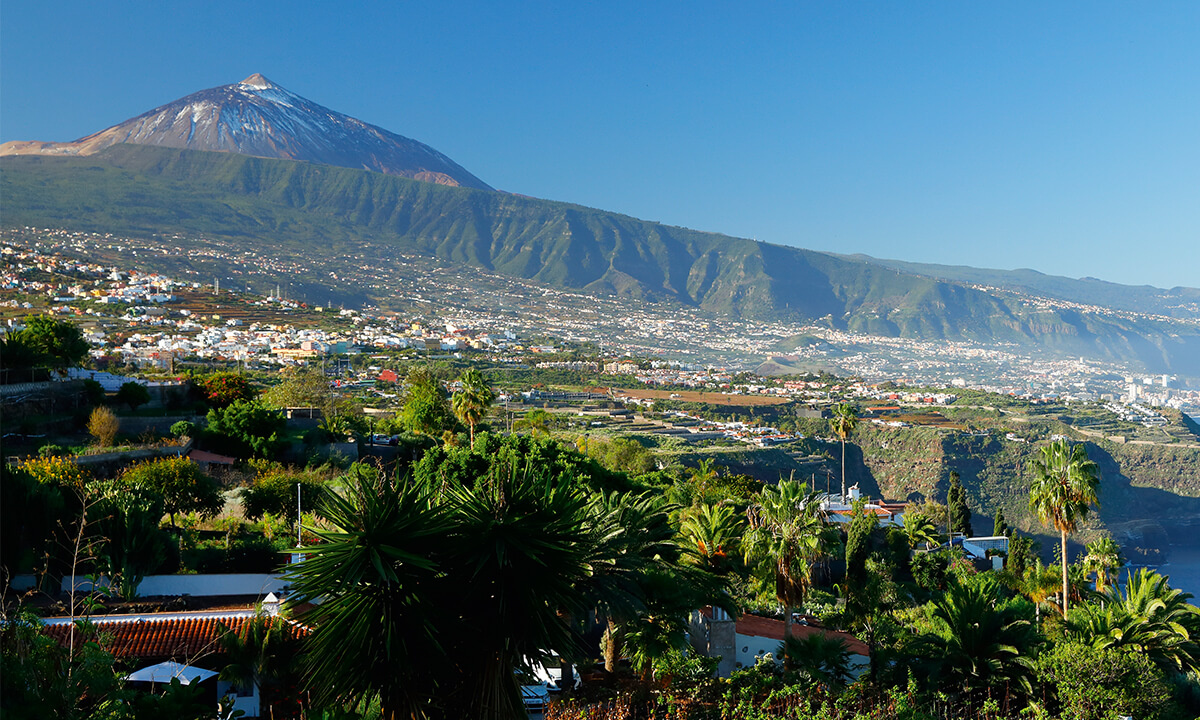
225	388
133	394
59	344
301	388
426	411
958	513
180	482
244	428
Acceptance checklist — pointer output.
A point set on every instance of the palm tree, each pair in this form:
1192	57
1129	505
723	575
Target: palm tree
536	421
519	548
672	592
824	658
635	538
472	400
918	528
704	474
373	632
1038	582
263	654
1103	559
787	537
1064	487
712	536
1151	618
636	584
431	594
844	421
982	642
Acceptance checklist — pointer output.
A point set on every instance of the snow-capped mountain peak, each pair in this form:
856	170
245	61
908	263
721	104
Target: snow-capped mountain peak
258	117
258	81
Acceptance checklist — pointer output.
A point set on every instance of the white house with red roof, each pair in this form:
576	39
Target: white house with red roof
742	641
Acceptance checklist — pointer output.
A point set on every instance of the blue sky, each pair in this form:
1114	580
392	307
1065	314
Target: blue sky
1059	136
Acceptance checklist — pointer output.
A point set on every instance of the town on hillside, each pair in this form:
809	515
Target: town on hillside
225	504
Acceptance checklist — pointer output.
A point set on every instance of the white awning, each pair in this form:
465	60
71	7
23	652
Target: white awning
164	671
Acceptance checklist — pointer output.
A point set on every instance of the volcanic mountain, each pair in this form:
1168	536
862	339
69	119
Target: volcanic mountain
257	117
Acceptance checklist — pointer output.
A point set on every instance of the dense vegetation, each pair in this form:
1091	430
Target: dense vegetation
462	560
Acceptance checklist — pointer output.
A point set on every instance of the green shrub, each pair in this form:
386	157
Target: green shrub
240	549
184	428
1099	683
274	493
245	428
93	391
47	451
133	394
253	553
929	570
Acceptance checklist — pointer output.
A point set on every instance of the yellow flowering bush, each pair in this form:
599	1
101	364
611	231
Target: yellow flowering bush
61	471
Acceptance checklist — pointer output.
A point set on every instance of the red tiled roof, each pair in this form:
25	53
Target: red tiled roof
877	511
773	629
168	636
203	456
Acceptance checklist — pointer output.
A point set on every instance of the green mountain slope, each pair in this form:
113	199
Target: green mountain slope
310	209
1182	302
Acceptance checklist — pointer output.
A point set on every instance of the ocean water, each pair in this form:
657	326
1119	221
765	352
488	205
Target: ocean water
1183	569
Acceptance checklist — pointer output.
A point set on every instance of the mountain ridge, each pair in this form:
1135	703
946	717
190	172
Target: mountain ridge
1178	301
311	208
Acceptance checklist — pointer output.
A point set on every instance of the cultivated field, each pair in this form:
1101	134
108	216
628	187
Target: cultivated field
695	396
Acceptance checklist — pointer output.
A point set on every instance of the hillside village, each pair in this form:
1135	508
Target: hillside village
157	324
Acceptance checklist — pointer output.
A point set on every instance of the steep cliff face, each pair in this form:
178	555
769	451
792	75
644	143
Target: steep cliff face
257	117
1147	492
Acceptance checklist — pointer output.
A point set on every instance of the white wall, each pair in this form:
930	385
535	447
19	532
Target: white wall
196	585
249	704
749	646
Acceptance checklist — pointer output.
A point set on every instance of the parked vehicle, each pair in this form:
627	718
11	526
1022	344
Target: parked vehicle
534	697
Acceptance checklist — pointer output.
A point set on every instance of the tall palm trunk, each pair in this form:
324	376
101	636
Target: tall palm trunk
612	647
787	633
567	679
843	470
1064	569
